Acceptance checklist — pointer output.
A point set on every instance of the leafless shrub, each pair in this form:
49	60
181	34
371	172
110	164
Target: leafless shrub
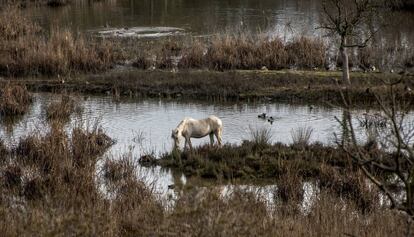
398	137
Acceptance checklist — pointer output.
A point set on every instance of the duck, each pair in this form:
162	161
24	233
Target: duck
262	115
271	119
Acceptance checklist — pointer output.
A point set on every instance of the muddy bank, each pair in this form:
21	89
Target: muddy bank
284	86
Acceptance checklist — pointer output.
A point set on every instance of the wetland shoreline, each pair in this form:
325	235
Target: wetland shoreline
109	195
321	87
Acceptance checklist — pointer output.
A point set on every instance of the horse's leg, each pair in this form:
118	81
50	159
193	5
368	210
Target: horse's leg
185	143
189	143
211	139
218	134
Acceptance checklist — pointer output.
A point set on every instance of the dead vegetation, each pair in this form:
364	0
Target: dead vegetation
286	86
289	165
229	52
247	51
62	110
52	183
14	99
25	49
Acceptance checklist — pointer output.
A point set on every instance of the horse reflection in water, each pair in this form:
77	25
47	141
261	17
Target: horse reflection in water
190	127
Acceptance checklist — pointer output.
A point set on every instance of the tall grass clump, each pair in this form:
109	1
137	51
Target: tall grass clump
26	50
229	52
306	53
301	136
57	163
62	110
261	137
58	184
13	25
166	54
193	55
89	141
14	99
273	54
117	170
238	51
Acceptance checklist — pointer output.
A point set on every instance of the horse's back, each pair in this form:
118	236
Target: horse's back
213	122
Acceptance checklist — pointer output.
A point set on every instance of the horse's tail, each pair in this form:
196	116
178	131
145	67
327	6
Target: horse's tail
219	131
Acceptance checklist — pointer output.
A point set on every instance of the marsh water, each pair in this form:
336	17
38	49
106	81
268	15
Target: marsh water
155	18
142	126
145	125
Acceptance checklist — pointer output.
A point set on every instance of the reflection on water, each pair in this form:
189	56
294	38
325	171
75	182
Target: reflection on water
283	18
142	126
140	32
196	16
145	125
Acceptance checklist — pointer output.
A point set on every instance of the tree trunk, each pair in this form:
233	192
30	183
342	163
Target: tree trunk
345	66
345	63
346	134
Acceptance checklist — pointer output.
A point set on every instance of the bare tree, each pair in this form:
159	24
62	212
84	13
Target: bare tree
389	148
348	19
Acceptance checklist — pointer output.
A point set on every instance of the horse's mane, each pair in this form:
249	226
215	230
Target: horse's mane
180	126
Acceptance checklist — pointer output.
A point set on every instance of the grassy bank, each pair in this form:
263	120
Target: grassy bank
285	85
253	160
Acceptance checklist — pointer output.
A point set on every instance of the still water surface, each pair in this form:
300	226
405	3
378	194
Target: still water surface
153	18
140	126
145	124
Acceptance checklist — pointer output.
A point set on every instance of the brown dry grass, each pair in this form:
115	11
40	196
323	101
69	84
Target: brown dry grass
241	51
46	191
62	110
306	53
14	99
26	50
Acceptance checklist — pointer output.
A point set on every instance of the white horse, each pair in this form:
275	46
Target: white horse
190	127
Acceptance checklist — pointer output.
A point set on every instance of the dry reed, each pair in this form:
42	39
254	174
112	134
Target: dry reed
14	99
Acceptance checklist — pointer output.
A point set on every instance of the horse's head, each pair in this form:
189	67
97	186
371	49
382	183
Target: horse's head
175	136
